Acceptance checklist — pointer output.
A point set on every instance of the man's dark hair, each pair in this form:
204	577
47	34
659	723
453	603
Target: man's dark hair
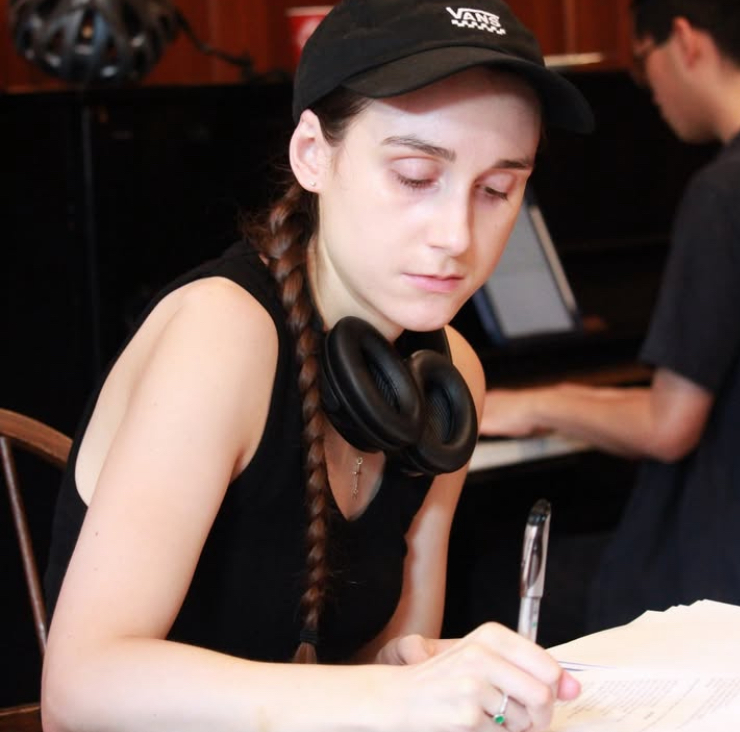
719	18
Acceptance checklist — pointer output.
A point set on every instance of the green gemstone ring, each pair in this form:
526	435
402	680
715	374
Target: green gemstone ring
500	716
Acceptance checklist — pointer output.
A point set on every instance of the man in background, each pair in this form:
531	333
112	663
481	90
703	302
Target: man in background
679	539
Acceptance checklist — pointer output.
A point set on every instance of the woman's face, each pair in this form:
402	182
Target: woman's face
417	202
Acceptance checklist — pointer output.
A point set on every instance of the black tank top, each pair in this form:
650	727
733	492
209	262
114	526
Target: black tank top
244	597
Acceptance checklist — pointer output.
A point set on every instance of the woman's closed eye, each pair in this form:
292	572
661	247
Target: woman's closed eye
491	192
498	185
421	174
414	183
416	173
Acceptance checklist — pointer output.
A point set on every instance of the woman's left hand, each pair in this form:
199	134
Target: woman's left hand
410	649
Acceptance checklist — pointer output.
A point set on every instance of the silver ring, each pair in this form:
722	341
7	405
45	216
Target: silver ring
500	716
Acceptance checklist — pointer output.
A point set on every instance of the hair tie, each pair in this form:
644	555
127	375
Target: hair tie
309	636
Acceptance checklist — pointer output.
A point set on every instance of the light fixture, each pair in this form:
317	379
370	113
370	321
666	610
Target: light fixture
102	41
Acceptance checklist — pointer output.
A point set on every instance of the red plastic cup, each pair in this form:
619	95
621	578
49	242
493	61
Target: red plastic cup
303	22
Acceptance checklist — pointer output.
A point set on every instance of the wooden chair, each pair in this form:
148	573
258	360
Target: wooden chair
21	433
25	718
25	433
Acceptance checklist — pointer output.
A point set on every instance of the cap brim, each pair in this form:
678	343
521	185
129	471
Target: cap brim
563	104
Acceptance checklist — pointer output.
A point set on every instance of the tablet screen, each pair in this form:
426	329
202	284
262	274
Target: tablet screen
528	294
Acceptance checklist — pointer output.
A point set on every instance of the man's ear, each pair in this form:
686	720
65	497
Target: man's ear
309	152
689	40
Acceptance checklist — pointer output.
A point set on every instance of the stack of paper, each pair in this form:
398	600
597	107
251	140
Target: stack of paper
676	670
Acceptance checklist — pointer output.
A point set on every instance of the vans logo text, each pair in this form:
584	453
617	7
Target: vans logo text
480	19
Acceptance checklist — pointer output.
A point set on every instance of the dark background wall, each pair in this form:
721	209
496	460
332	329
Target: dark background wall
108	196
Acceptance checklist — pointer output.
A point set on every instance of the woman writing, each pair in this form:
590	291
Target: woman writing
256	483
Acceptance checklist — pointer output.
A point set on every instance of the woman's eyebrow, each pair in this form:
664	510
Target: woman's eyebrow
416	143
419	145
517	164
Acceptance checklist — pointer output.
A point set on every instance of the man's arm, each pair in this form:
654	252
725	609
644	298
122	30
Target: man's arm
663	421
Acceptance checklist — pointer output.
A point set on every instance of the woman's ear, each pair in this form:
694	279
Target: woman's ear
309	152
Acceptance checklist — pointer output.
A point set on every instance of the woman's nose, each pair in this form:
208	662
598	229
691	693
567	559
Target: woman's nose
453	227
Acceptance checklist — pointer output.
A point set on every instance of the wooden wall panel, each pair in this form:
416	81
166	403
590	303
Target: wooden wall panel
257	28
237	27
4	47
260	29
579	26
545	19
595	29
241	28
182	62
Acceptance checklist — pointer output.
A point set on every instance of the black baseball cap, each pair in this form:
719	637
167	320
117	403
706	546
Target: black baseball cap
381	48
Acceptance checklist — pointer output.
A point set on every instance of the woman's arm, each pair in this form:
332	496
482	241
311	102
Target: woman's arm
420	609
187	428
411	637
191	420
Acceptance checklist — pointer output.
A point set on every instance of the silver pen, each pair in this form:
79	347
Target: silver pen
534	559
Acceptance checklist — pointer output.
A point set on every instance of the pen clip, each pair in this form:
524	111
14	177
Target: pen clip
534	551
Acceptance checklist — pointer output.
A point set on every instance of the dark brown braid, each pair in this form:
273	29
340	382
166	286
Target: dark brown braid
284	240
284	243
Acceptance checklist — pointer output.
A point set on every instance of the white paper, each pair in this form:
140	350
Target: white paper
664	672
701	637
617	701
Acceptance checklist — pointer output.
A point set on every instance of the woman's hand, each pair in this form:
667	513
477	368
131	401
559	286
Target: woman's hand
410	649
460	684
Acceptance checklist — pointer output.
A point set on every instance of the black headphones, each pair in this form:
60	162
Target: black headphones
414	407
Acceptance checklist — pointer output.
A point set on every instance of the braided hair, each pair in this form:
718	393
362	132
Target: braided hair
283	239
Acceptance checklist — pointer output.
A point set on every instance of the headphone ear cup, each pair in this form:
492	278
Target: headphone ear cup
368	393
450	430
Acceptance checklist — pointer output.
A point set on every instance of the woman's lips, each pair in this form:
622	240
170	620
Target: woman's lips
436	283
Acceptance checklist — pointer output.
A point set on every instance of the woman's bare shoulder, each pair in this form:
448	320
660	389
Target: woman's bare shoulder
207	351
468	363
